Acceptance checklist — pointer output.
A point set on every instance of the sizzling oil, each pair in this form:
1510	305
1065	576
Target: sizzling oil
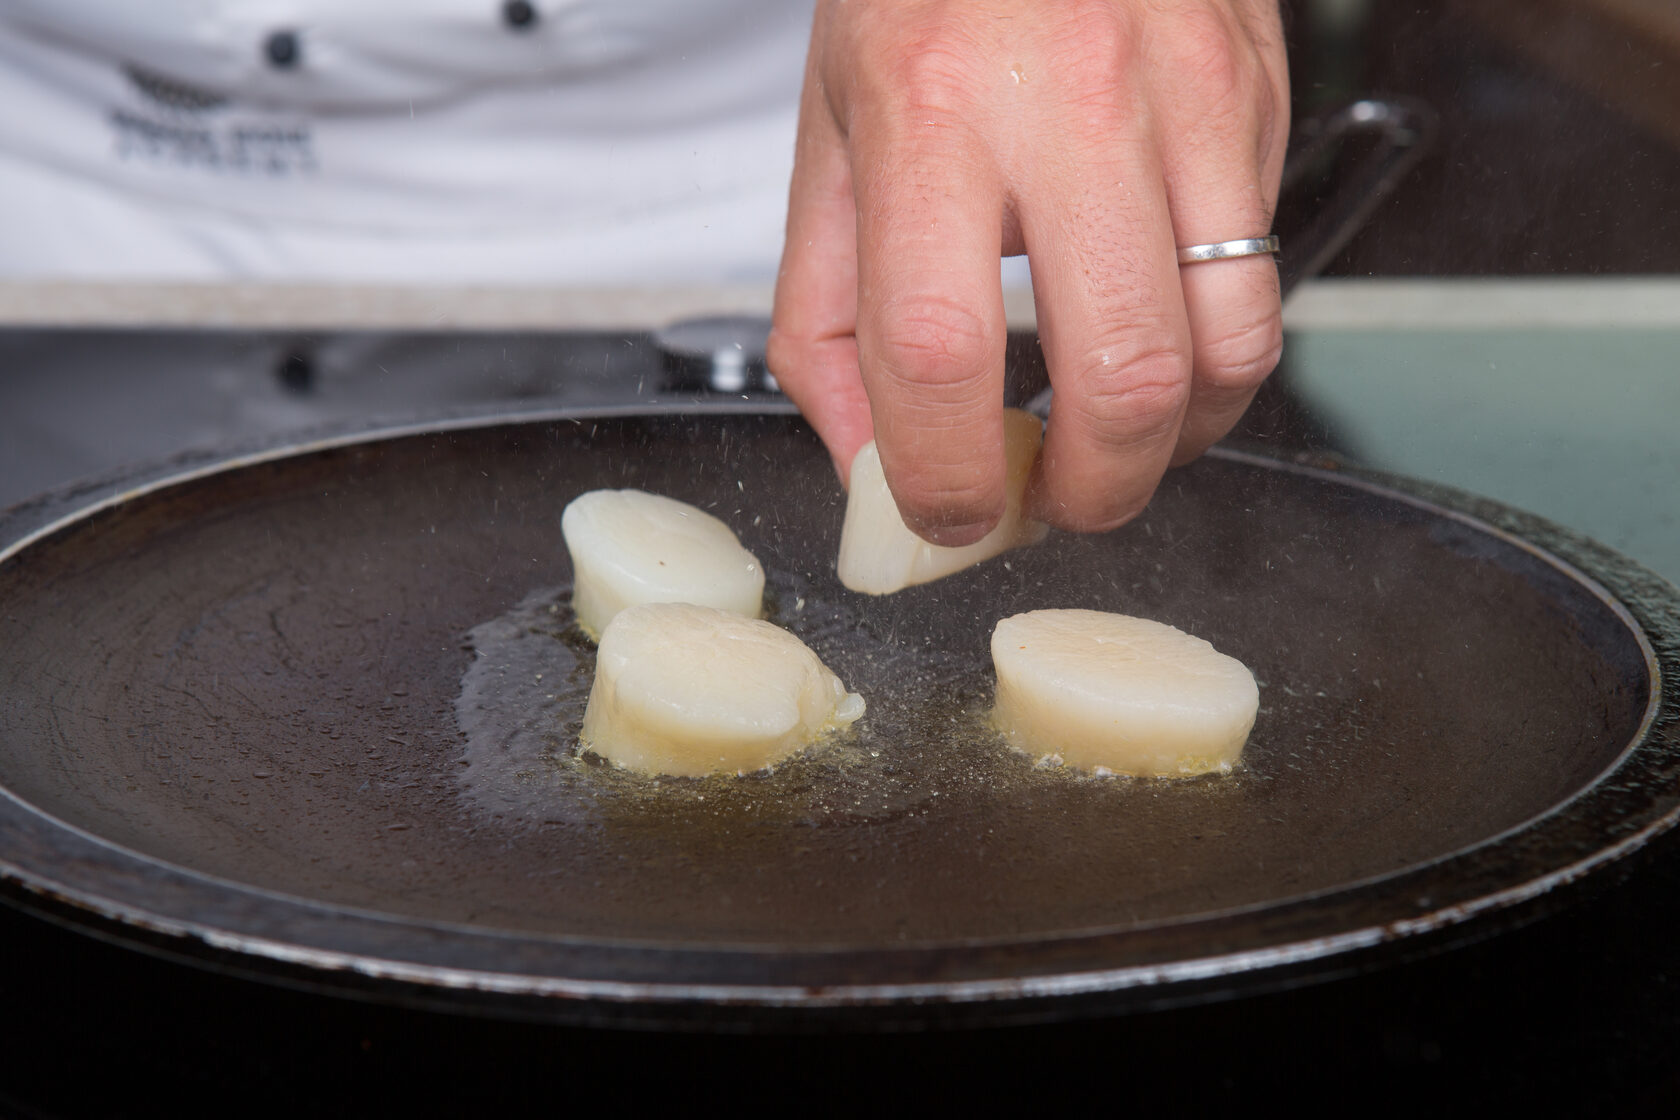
925	736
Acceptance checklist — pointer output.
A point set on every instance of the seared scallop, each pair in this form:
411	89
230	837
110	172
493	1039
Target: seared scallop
689	690
630	547
1123	694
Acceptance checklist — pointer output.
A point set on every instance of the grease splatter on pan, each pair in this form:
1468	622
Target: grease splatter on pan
523	697
924	736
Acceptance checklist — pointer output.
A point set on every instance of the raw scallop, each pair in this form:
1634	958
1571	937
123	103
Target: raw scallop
879	553
688	690
1125	694
629	547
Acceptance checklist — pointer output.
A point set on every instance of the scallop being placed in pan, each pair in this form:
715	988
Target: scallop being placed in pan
1124	694
630	547
880	554
688	690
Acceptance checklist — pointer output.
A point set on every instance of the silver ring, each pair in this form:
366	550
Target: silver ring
1221	250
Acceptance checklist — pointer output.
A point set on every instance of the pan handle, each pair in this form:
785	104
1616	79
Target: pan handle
1328	194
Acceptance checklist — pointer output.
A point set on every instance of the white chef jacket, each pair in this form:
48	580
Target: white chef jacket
452	141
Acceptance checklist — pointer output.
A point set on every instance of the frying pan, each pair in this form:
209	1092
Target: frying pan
310	715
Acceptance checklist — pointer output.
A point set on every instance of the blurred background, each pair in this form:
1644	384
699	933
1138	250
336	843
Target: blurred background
1507	321
1504	320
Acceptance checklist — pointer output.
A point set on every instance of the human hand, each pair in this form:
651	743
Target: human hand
1095	136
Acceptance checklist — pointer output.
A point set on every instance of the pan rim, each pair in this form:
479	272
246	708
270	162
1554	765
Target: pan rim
1434	499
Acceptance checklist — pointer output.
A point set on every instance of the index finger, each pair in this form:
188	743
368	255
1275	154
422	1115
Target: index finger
812	348
930	327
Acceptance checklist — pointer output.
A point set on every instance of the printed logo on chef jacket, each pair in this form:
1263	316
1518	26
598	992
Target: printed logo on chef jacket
175	124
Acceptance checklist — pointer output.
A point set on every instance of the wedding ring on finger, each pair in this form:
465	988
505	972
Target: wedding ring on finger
1224	250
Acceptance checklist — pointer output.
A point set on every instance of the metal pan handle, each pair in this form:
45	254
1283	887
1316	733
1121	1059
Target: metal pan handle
1326	198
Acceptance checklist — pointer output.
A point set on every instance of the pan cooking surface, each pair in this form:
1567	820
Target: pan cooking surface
331	700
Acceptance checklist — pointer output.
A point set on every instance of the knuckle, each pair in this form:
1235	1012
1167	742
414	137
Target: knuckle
1140	401
932	72
932	341
1220	64
1096	47
1206	46
903	67
1239	360
1098	39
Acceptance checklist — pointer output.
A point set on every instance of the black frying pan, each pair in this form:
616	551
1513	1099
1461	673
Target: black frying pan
283	717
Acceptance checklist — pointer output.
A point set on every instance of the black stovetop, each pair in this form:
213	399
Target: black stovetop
1578	1014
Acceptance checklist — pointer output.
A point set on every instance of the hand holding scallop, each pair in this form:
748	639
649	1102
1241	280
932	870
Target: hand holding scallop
879	554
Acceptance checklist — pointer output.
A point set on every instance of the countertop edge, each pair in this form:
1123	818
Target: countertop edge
1435	303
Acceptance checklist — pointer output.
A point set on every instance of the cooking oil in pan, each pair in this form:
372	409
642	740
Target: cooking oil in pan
923	741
